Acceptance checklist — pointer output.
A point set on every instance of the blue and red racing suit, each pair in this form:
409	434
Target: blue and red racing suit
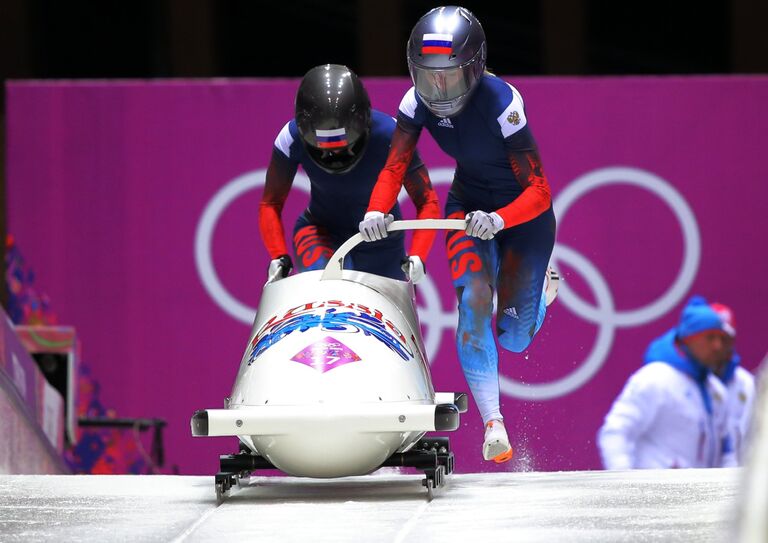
497	169
337	203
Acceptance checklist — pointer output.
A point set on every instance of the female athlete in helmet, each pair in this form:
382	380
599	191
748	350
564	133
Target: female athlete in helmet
342	144
499	187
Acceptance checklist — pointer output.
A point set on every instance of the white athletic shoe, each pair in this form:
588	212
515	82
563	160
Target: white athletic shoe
551	285
496	444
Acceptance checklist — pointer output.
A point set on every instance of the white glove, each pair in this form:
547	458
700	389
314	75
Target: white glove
414	268
374	225
279	268
483	225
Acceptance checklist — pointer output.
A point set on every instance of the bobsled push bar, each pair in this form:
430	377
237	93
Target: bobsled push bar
336	264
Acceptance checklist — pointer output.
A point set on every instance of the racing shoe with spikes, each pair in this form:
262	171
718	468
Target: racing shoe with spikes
496	445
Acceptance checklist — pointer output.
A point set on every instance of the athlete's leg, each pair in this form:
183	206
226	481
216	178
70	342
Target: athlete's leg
312	244
525	251
473	264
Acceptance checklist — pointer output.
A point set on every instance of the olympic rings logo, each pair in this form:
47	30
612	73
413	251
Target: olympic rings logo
436	320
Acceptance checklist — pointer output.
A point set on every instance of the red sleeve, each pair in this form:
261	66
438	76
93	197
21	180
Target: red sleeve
390	179
536	197
280	174
422	193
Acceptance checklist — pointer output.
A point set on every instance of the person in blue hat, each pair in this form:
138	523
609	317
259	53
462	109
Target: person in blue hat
672	412
739	384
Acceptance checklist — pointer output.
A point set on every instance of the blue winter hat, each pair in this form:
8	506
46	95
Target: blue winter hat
698	316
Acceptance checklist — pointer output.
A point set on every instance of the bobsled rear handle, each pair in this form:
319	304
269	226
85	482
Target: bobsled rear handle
336	264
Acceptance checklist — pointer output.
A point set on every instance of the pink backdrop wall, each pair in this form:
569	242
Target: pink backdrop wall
660	186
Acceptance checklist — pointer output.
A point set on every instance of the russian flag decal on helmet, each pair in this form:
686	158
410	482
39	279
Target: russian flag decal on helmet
436	44
331	139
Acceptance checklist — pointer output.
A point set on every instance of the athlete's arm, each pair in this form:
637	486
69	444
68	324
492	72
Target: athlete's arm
424	197
523	157
280	174
536	197
390	179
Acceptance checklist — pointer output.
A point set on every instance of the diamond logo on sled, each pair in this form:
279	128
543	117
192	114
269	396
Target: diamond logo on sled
326	354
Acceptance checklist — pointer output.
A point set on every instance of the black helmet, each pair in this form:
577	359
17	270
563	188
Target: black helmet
446	58
333	115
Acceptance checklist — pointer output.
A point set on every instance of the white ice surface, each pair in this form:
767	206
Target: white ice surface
673	505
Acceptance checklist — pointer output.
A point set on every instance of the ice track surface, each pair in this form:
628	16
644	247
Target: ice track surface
672	505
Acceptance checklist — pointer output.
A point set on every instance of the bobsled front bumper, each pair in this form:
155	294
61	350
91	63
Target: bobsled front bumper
364	418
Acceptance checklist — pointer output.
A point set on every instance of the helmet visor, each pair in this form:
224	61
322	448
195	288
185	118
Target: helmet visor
435	85
338	160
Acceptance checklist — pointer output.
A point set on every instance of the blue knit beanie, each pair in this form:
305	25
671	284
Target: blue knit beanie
698	316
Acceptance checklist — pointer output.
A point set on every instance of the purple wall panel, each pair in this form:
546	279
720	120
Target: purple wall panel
659	185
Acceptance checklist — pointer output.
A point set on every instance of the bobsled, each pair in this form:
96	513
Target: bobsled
335	380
